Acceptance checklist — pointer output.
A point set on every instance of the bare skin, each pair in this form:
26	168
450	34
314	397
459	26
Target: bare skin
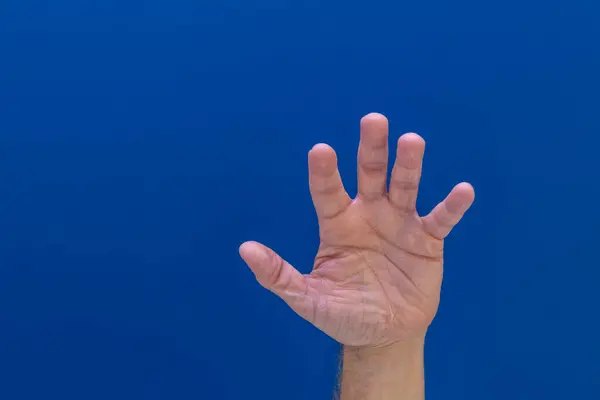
377	274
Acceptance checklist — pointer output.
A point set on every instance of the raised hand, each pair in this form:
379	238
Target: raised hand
378	271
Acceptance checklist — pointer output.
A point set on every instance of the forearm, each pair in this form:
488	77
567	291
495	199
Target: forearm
388	373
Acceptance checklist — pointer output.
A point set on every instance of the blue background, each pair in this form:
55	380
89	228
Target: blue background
142	141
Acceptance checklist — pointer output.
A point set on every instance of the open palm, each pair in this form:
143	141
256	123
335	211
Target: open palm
378	271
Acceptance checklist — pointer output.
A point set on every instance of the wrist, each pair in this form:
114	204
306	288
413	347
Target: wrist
388	372
408	346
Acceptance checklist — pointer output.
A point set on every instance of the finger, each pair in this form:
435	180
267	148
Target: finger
406	174
372	156
276	274
326	188
440	221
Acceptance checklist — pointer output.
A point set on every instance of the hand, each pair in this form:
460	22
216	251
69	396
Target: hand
378	271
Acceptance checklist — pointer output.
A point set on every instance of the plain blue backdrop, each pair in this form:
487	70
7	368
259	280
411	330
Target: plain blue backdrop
142	141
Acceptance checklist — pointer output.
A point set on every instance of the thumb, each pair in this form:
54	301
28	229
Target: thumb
273	272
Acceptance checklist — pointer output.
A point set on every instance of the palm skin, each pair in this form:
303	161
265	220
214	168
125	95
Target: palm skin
377	274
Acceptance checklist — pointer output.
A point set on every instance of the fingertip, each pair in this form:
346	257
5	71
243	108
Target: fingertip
466	189
411	139
243	248
461	198
374	130
320	148
322	155
250	251
374	117
410	151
